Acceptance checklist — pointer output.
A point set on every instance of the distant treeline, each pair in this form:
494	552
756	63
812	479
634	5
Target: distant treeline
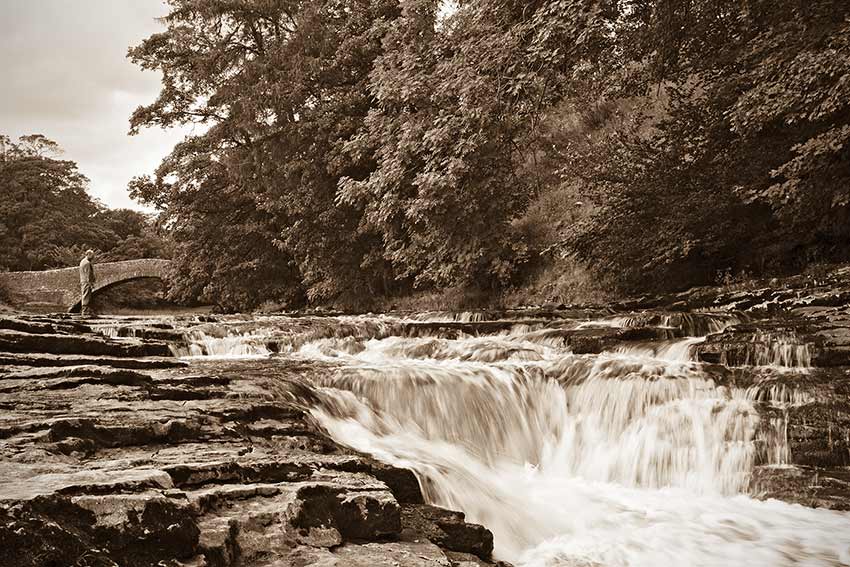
48	219
370	148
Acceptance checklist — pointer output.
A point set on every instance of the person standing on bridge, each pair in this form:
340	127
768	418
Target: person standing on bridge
87	279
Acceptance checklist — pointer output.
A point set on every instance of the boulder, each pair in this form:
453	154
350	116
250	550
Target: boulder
446	528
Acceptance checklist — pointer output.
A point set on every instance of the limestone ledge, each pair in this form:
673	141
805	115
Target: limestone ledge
113	454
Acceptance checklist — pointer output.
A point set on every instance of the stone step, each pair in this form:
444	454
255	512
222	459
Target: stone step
20	342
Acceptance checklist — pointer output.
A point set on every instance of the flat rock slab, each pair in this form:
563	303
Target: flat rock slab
8	359
18	341
43	325
109	456
86	374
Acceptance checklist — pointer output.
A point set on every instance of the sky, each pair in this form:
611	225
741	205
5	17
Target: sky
64	73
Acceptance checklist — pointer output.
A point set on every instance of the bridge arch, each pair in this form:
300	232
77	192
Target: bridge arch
60	289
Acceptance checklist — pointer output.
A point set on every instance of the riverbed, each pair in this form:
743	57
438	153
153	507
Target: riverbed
577	438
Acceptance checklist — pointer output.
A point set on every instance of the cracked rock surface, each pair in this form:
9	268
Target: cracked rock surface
114	453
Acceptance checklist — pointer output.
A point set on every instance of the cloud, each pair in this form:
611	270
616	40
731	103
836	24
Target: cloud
66	75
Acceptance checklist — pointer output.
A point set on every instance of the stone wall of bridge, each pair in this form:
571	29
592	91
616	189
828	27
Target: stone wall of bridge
59	290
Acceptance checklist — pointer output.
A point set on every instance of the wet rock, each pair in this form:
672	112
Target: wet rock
833	339
759	344
17	341
27	326
42	325
38	359
248	469
265	521
141	332
821	337
454	328
75	376
597	340
133	530
116	435
402	482
460	559
819	433
808	486
355	515
23	485
447	529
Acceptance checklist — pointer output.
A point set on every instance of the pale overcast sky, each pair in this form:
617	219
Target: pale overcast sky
64	73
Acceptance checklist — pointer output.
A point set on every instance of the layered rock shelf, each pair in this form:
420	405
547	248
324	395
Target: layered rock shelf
117	450
115	453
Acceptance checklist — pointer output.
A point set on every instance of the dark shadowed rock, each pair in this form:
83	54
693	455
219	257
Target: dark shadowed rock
803	485
136	530
447	529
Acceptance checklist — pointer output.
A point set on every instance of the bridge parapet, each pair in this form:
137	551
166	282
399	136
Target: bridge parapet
51	290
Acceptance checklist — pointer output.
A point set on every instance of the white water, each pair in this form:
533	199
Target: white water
231	345
778	351
629	458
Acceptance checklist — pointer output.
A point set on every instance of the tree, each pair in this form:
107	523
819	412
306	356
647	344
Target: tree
48	219
280	85
743	163
370	147
45	205
369	127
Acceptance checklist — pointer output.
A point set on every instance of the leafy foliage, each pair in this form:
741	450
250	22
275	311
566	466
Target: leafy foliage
745	166
360	148
48	220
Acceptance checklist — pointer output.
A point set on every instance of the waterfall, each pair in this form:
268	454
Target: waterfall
634	457
778	350
229	345
459	317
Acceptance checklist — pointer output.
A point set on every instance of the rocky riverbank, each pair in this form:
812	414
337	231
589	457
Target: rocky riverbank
116	453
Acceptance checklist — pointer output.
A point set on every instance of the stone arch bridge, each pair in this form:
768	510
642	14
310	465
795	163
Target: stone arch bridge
51	290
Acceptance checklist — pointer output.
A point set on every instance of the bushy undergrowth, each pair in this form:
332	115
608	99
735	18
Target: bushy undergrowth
563	281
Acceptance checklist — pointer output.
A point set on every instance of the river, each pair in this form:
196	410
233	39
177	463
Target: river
638	455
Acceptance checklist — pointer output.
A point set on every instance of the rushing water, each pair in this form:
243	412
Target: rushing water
630	457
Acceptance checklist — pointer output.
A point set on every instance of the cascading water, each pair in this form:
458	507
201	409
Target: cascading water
231	345
634	457
780	351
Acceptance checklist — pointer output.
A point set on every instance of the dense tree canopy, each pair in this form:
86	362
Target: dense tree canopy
746	164
48	219
355	148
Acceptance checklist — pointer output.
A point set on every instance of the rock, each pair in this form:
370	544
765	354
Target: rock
402	482
447	529
74	376
43	325
56	360
803	485
396	554
356	515
133	530
27	326
17	341
249	469
819	433
24	485
460	559
141	332
594	340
